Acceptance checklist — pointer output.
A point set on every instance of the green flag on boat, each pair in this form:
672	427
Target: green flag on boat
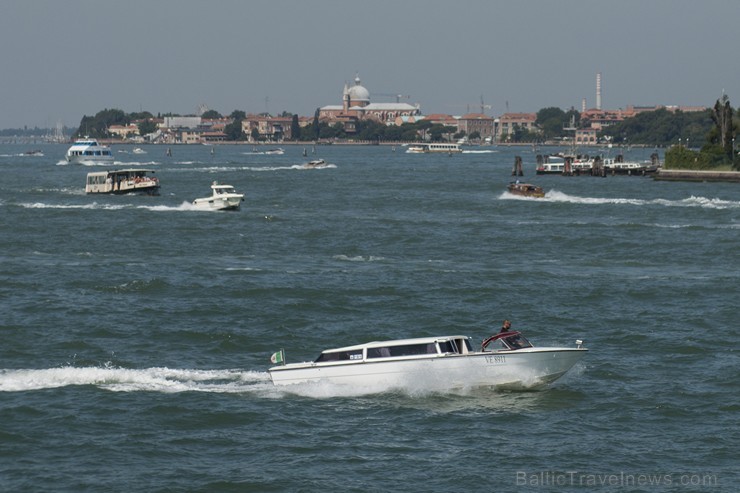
278	357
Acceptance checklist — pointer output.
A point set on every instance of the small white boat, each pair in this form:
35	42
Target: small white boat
89	151
224	198
123	181
446	362
138	150
277	151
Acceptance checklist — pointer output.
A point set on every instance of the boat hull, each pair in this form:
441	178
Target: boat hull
89	160
524	368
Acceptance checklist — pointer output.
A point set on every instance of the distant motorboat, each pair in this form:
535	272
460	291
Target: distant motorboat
223	198
316	163
525	190
138	150
89	151
275	151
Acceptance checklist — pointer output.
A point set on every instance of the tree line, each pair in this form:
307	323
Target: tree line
719	149
712	130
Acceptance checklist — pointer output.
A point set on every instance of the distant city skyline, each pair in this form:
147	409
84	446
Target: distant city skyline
64	60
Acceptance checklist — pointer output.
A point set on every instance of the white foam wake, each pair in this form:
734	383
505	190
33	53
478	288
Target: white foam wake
557	196
132	380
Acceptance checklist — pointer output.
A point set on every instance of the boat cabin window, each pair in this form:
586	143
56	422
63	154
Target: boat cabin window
340	356
404	350
456	346
448	347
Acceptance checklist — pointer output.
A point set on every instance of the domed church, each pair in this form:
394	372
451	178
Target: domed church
356	106
355	96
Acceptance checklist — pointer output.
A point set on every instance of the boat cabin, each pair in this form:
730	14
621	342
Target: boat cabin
399	349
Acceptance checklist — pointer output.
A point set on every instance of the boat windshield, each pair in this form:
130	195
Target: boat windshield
516	341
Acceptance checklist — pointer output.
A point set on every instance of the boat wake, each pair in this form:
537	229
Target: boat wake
92	206
487	151
185	206
287	167
164	380
556	196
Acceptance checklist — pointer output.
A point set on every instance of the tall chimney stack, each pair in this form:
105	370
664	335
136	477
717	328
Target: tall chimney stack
598	90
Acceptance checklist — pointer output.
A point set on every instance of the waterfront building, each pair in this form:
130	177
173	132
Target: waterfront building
477	122
124	131
586	136
508	122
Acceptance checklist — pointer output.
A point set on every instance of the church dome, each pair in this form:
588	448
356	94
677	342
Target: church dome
357	93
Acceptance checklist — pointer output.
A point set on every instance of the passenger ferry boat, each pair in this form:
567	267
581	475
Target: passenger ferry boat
123	181
89	151
433	147
447	361
224	198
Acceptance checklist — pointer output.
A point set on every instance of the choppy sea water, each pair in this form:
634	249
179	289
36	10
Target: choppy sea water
136	331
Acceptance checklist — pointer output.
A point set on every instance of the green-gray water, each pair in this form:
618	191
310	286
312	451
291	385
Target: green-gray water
136	332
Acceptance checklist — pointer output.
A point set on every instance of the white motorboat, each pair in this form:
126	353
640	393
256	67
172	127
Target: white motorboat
123	181
446	362
138	150
224	198
89	151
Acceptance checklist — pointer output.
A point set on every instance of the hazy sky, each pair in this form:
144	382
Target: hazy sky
62	59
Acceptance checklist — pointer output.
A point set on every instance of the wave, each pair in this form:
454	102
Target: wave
560	197
222	169
359	258
489	151
22	154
